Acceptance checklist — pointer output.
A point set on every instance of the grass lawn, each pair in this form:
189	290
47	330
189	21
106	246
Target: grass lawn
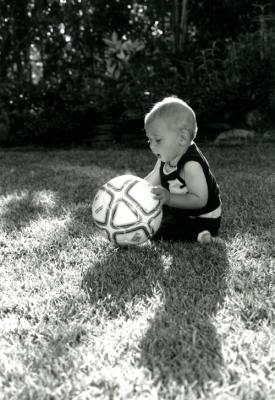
80	319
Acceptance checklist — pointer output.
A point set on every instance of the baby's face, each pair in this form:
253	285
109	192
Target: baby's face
165	142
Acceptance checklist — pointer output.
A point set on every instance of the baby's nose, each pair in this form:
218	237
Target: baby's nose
152	146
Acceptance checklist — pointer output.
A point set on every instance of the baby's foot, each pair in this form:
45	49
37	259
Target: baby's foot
205	237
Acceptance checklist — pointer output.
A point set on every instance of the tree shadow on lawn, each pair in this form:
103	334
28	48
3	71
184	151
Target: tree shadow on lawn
49	192
52	185
19	209
181	342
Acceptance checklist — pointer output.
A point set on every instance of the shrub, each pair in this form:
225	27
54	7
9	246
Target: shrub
234	78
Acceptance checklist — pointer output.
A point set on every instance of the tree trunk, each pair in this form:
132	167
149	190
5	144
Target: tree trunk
179	23
183	24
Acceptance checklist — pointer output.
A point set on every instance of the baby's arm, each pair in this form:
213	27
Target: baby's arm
154	176
196	184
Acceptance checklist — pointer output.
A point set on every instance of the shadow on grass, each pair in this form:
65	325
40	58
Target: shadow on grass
19	209
48	191
69	179
180	343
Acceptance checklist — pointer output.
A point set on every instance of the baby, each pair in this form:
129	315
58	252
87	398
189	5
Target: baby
182	179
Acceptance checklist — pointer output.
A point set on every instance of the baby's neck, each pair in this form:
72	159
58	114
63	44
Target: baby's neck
173	163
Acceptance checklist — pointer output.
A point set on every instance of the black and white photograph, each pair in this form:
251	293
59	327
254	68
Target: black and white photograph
137	176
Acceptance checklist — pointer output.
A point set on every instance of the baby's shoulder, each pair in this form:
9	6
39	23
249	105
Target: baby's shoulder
191	167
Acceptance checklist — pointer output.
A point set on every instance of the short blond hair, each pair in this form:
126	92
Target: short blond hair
175	111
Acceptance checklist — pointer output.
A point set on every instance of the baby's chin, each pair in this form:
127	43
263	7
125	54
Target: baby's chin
165	160
159	157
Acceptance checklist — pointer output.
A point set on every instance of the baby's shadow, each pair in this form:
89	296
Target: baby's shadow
181	343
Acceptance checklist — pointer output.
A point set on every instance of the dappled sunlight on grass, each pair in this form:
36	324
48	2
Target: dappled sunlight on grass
92	171
80	318
115	351
19	208
43	232
11	199
45	198
44	228
249	248
248	355
9	324
166	261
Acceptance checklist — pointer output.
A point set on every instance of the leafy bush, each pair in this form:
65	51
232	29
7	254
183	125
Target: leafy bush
235	78
50	113
222	82
4	125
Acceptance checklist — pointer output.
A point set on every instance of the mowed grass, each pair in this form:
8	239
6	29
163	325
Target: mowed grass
81	319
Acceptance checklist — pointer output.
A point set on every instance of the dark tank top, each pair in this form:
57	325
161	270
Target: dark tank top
173	182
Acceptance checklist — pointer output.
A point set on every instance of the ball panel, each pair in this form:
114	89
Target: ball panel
155	221
140	193
124	215
119	182
133	237
101	206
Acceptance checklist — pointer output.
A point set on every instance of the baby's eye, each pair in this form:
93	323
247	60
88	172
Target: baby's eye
158	140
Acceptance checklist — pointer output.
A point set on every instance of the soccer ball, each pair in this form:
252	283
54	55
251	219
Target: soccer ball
125	211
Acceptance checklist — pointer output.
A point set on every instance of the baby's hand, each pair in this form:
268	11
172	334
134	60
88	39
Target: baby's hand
161	194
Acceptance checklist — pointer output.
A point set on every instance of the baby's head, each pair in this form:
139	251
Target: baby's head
176	113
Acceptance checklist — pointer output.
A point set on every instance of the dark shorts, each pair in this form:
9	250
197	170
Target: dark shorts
179	227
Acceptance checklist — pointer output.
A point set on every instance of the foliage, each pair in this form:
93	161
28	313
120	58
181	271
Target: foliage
81	319
103	61
118	55
235	78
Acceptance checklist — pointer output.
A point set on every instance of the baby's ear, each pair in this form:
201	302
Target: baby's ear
184	135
